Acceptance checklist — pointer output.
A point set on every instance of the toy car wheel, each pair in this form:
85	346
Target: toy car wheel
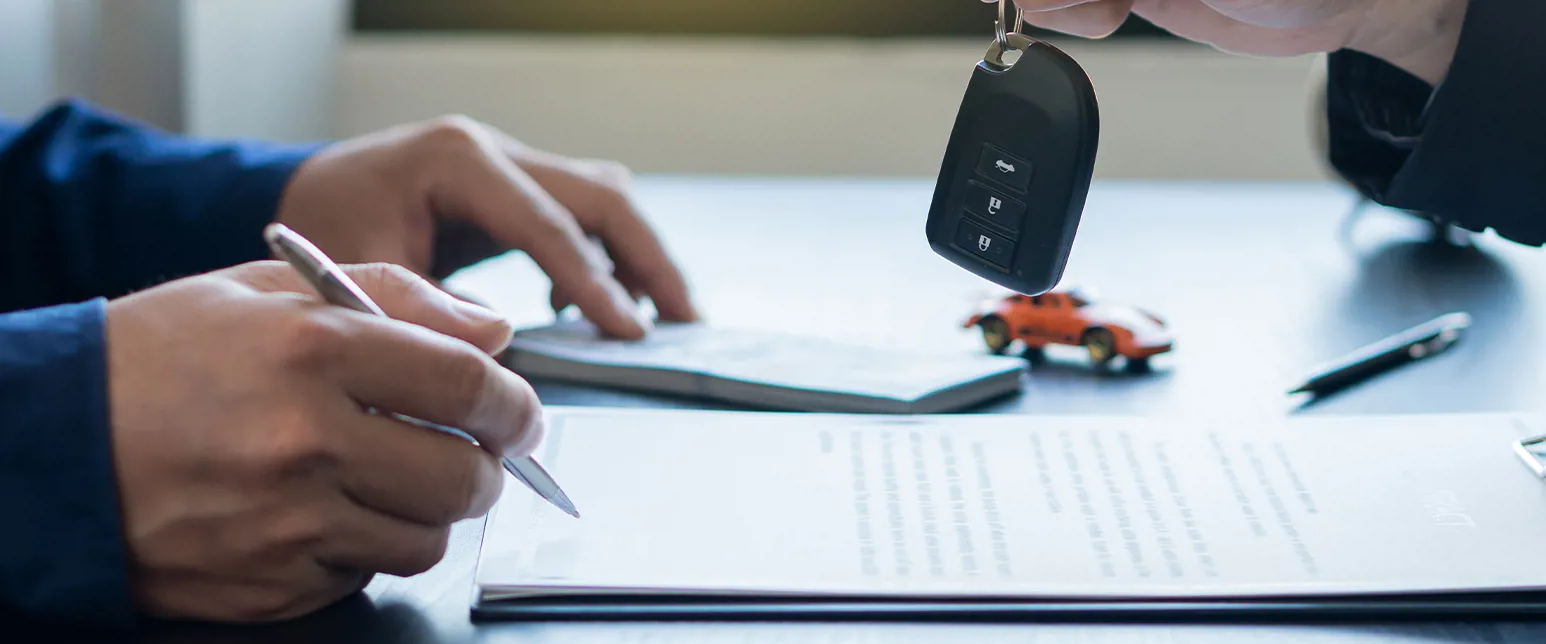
1138	365
1101	344
995	334
1036	355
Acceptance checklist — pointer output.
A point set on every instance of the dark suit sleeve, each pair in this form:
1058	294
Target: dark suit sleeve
1471	152
61	551
93	206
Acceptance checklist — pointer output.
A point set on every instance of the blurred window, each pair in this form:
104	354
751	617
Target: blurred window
781	18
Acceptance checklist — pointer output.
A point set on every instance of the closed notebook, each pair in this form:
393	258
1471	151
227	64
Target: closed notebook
765	370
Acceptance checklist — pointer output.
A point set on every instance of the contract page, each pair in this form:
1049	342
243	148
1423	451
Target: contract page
770	504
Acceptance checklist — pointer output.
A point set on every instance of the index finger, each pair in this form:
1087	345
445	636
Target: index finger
604	209
1086	18
402	294
1047	5
483	186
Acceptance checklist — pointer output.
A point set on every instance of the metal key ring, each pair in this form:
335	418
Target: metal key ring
1001	36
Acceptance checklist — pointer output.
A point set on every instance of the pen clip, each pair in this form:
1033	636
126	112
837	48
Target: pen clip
331	282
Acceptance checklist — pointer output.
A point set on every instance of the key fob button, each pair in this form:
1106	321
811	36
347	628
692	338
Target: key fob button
1004	168
987	245
995	207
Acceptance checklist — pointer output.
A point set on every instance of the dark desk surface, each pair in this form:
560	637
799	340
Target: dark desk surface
1259	281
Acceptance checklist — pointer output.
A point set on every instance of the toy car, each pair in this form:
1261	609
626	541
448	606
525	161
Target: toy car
1070	317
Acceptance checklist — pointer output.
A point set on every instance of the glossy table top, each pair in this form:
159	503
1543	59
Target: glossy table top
1259	282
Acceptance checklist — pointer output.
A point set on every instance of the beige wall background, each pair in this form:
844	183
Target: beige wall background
290	70
825	107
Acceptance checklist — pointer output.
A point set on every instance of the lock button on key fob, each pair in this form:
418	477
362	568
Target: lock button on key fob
1017	168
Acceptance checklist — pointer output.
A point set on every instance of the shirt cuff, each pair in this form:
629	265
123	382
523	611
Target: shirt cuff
1377	113
1390	103
62	552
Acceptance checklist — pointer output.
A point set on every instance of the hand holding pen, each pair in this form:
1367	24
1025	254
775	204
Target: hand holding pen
235	417
336	288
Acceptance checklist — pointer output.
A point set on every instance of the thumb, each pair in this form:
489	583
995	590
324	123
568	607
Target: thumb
403	295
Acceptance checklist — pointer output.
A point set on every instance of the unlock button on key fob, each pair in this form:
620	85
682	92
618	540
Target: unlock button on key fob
992	206
986	245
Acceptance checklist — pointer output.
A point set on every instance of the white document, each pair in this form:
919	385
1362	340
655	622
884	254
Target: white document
1013	506
766	370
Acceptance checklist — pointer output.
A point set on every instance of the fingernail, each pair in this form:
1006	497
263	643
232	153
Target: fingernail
536	431
627	305
478	314
505	402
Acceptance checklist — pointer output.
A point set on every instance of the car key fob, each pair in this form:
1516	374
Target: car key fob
1017	169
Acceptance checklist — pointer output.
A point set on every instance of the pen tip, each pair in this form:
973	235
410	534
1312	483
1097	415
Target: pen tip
563	503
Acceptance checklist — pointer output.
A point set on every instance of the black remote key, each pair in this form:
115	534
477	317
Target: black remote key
1017	169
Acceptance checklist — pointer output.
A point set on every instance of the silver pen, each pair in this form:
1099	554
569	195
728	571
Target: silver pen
336	287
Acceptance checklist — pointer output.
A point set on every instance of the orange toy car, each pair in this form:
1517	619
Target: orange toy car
1069	317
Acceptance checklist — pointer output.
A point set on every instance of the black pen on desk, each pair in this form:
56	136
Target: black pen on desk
1424	340
335	286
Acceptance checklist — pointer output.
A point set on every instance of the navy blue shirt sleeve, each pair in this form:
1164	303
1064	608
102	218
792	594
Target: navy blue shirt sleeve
1469	152
93	206
61	552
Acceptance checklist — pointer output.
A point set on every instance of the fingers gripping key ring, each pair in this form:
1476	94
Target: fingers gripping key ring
1000	27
